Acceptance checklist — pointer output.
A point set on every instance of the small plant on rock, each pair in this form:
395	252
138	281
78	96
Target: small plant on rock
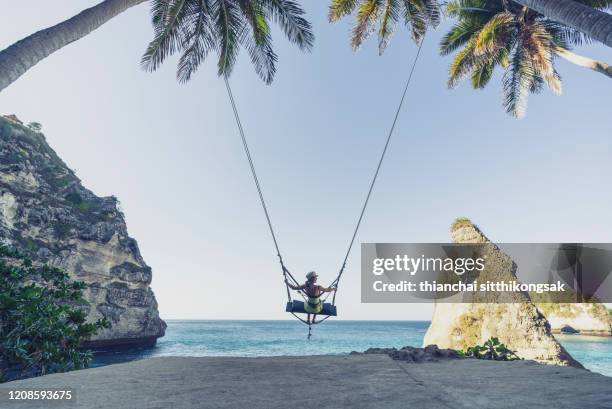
35	126
492	350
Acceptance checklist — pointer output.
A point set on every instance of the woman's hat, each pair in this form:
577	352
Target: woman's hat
311	275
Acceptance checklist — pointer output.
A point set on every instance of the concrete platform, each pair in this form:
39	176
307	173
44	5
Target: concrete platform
355	381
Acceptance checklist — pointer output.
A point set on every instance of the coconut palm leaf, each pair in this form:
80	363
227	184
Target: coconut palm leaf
476	11
539	45
196	28
230	28
458	36
503	33
289	16
367	15
199	41
495	34
464	62
483	71
415	19
387	24
341	8
418	15
167	17
431	8
518	81
258	41
482	75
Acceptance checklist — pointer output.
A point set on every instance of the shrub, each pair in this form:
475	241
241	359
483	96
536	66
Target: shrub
42	319
492	350
460	222
74	198
35	126
83	205
62	230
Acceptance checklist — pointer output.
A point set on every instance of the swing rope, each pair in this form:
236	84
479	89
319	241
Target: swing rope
286	273
380	162
247	151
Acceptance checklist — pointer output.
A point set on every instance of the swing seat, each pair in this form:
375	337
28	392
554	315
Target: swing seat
297	307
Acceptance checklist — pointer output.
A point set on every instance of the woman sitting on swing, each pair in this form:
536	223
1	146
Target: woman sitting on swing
313	304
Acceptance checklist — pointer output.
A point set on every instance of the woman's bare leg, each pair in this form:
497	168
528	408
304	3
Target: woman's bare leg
308	319
314	318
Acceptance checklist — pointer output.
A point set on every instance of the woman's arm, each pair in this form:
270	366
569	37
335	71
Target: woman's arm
327	289
295	287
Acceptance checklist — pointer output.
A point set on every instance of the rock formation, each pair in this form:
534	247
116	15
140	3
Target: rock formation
517	323
587	319
45	211
430	353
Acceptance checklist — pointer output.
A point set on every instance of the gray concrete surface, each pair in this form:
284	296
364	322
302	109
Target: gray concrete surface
364	381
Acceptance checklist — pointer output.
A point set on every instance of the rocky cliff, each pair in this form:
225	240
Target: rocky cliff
45	211
588	319
516	322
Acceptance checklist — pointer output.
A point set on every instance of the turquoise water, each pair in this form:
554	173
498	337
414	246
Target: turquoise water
266	338
595	353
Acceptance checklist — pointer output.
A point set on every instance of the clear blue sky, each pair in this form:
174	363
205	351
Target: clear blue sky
172	155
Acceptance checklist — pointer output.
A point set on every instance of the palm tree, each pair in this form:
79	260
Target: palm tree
582	17
195	28
491	33
417	15
24	54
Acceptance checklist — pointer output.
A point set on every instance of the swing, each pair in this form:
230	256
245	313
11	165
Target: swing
295	306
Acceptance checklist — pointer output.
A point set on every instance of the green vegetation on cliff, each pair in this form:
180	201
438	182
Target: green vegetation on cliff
572	310
42	324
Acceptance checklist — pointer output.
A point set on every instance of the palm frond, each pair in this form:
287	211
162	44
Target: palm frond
458	36
289	16
196	28
519	80
229	28
167	17
258	41
415	19
367	15
463	63
389	18
462	9
604	5
433	12
555	83
539	46
199	40
495	34
482	74
483	70
491	33
159	11
341	8
560	35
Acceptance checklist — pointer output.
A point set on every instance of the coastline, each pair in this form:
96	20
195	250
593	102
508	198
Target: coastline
266	338
585	333
337	381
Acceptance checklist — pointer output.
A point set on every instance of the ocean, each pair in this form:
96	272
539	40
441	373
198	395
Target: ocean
269	338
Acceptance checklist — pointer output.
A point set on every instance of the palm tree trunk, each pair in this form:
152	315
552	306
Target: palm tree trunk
24	54
599	66
595	23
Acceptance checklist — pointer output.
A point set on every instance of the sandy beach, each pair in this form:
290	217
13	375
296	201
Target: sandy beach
353	381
